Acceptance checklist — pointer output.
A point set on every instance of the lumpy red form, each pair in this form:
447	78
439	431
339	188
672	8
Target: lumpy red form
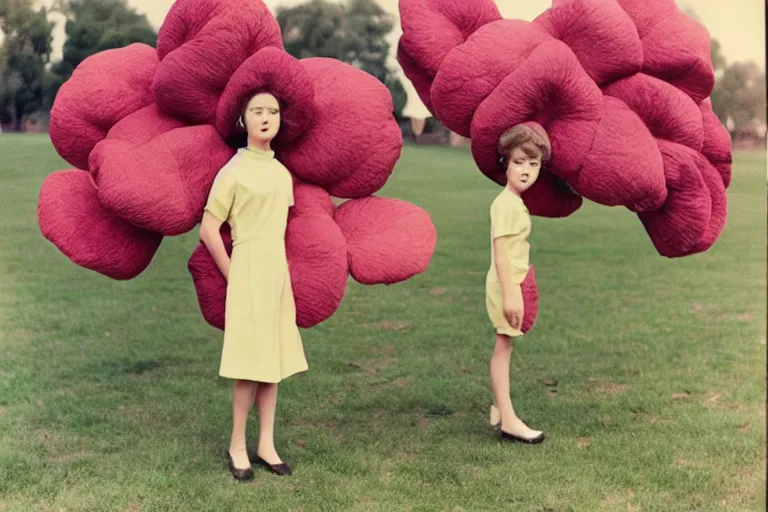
621	87
145	131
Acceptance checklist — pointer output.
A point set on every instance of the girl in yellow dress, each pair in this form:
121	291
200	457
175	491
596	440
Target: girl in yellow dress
262	345
523	149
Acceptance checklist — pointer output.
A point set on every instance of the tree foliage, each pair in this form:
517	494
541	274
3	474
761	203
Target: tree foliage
354	32
26	51
94	26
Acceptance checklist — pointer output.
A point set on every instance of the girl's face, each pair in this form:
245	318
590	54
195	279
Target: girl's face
522	170
262	117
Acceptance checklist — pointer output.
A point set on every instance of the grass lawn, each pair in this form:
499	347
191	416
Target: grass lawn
110	399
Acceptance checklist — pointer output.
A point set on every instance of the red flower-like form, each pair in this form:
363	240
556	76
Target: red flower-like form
150	126
621	87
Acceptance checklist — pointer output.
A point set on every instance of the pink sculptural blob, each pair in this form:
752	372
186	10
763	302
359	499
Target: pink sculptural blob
146	132
621	87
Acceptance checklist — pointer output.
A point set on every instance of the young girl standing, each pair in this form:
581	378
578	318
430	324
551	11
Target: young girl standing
523	150
262	344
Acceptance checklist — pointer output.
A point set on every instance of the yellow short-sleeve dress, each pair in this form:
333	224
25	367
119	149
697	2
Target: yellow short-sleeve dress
262	343
511	221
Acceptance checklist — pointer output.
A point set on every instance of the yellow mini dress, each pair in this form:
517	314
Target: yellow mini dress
511	221
253	193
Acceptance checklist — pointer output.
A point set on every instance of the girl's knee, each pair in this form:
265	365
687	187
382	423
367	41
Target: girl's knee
503	342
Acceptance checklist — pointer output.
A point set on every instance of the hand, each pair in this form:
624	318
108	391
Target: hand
514	308
225	272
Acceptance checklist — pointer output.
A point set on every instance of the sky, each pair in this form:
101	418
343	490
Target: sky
737	24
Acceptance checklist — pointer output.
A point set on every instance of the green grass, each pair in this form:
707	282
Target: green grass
110	399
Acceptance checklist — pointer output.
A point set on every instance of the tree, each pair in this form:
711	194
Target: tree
10	83
365	45
313	29
718	97
739	95
354	32
718	59
94	26
27	49
399	96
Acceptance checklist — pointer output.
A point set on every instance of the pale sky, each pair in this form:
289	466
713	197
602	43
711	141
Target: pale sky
737	24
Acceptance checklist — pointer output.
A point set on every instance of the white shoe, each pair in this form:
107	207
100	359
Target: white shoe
495	417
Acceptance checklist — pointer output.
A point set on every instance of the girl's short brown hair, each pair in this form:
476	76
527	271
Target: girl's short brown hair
530	137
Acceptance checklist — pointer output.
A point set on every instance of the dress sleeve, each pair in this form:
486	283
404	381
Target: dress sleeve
507	220
509	223
222	195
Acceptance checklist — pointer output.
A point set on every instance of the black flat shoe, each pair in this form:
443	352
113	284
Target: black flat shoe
281	469
241	475
534	440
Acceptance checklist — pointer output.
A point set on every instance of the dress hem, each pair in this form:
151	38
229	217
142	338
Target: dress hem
509	333
266	381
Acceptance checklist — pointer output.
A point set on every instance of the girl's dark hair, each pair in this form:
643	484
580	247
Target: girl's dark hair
244	107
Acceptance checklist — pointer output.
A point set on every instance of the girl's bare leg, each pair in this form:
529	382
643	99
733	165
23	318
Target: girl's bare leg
510	423
266	401
242	401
